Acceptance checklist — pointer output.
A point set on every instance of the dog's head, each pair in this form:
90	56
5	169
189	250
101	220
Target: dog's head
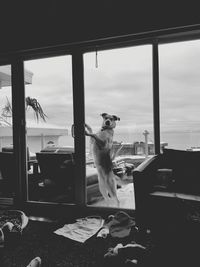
109	121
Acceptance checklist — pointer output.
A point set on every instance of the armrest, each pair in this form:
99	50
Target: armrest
149	164
144	175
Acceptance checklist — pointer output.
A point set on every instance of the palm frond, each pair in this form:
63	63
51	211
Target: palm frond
35	105
7	110
4	122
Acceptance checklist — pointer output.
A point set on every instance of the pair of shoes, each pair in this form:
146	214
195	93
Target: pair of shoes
36	262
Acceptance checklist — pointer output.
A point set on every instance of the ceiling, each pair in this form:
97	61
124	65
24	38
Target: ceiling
33	24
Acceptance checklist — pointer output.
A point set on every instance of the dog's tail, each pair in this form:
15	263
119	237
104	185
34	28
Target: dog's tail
114	154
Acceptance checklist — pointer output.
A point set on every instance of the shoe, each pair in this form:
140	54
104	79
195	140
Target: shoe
103	233
36	262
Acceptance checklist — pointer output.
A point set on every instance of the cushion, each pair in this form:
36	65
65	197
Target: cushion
186	170
163	180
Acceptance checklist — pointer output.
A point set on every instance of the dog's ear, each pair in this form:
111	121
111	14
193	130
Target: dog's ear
116	118
104	114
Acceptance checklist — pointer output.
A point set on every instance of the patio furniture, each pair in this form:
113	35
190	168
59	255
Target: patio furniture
7	171
56	171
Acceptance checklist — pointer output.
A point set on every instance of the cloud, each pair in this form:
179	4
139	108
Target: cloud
122	85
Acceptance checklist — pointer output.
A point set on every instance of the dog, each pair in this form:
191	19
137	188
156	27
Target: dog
101	144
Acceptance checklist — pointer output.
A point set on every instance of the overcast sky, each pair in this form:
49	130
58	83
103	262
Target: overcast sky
122	85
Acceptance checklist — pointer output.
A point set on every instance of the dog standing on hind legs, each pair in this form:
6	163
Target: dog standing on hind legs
102	143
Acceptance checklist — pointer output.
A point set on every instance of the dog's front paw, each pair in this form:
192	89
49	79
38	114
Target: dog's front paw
87	133
88	130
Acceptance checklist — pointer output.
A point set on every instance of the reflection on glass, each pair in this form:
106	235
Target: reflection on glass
7	172
179	94
49	118
121	85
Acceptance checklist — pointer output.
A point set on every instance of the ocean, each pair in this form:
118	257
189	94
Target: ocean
177	140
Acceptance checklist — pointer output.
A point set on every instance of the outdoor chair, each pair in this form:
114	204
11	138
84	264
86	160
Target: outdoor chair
56	172
7	169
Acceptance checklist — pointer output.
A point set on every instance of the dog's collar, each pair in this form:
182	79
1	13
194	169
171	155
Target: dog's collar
103	128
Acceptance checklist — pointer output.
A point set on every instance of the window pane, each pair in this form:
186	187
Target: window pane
7	172
49	140
119	82
180	94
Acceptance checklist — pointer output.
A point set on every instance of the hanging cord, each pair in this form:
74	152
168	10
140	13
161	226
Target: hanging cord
96	58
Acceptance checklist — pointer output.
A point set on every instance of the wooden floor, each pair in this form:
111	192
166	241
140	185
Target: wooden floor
125	195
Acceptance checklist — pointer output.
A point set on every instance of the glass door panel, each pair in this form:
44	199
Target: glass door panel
7	166
180	95
49	117
118	82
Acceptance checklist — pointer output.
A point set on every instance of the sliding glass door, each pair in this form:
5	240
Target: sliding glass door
118	82
49	118
7	166
180	94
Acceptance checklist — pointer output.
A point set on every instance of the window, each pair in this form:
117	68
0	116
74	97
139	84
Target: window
119	82
49	117
116	81
180	94
7	171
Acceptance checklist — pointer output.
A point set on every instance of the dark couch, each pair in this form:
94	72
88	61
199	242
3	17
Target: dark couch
164	183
